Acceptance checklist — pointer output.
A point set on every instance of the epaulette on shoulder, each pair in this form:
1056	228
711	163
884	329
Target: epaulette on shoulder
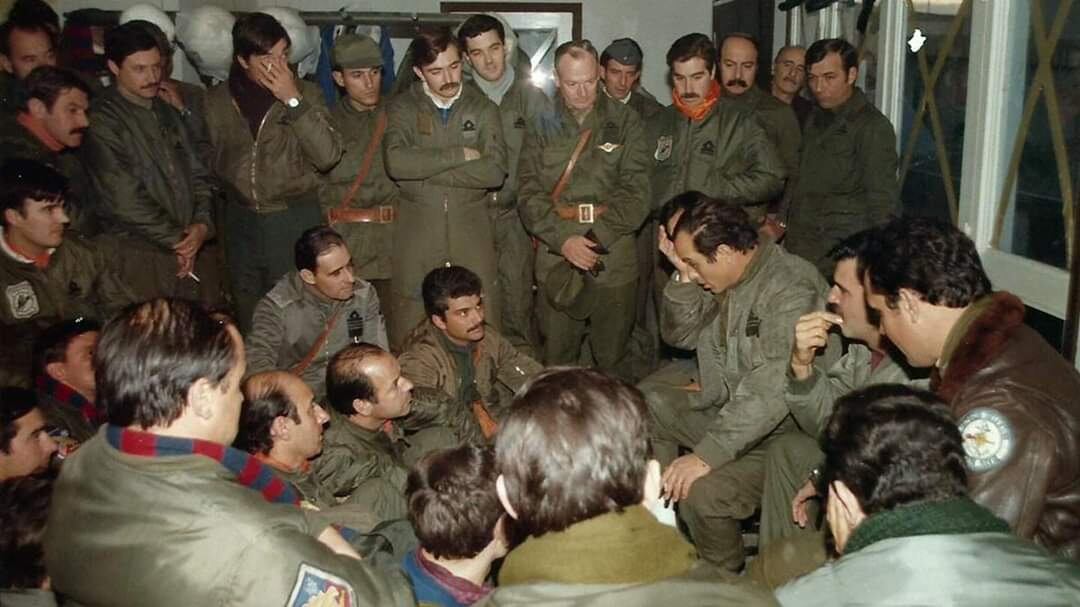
282	295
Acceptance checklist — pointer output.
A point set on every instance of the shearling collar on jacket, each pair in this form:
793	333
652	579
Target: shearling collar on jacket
985	339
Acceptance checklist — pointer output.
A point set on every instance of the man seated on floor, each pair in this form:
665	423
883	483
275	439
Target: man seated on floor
64	379
734	299
456	513
25	445
157	509
314	312
1016	400
813	387
366	453
454	351
24	507
46	276
576	477
907	530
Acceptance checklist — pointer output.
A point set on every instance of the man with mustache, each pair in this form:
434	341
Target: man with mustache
454	352
155	192
49	129
444	146
789	75
738	72
28	40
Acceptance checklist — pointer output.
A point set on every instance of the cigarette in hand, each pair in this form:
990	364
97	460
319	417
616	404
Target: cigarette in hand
194	277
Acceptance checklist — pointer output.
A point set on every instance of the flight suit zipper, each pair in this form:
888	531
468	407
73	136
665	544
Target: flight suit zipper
255	158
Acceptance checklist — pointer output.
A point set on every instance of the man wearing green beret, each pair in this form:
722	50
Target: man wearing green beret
358	199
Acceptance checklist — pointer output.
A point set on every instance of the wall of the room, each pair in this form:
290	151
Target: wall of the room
654	24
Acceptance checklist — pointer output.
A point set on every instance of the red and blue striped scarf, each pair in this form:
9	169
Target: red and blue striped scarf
67	395
249	471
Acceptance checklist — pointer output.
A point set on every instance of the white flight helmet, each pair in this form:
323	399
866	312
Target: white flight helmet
205	34
153	14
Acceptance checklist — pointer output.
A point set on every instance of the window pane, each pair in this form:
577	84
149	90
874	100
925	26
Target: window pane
923	190
1035	226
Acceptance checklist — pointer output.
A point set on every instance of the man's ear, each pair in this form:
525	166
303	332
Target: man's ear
5	64
339	79
852	75
37	108
419	72
723	251
201	399
307	276
363	407
500	488
57	370
438	321
279	428
243	62
910	304
115	69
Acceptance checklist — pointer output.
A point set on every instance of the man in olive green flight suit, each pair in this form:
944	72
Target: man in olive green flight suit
620	71
455	353
366	449
738	319
45	276
589	229
362	211
50	129
738	73
483	38
167	513
155	192
848	163
271	141
444	147
281	424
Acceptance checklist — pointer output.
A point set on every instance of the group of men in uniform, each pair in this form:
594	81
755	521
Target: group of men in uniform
450	242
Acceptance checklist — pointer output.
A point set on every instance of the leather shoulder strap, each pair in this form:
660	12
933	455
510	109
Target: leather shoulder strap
368	159
320	341
564	179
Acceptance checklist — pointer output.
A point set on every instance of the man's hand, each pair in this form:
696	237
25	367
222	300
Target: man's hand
184	265
171	94
798	505
681	474
578	251
667	247
191	240
811	334
472	154
275	76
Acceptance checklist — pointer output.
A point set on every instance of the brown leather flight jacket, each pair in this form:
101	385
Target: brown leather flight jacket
1011	390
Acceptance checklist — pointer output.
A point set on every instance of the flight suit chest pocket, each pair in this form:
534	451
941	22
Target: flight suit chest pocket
746	347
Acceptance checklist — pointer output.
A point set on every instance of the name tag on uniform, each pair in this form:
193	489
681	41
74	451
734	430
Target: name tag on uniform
663	148
424	124
753	326
355	322
610	147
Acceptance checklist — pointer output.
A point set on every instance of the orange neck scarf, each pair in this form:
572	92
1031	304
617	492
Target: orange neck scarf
699	112
40	262
38	130
280	465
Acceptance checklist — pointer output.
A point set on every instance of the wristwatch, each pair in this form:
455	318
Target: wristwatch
293	102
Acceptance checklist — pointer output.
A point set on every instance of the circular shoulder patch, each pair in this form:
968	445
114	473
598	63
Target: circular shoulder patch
988	439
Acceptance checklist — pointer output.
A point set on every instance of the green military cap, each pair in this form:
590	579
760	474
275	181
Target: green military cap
356	50
625	51
566	289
